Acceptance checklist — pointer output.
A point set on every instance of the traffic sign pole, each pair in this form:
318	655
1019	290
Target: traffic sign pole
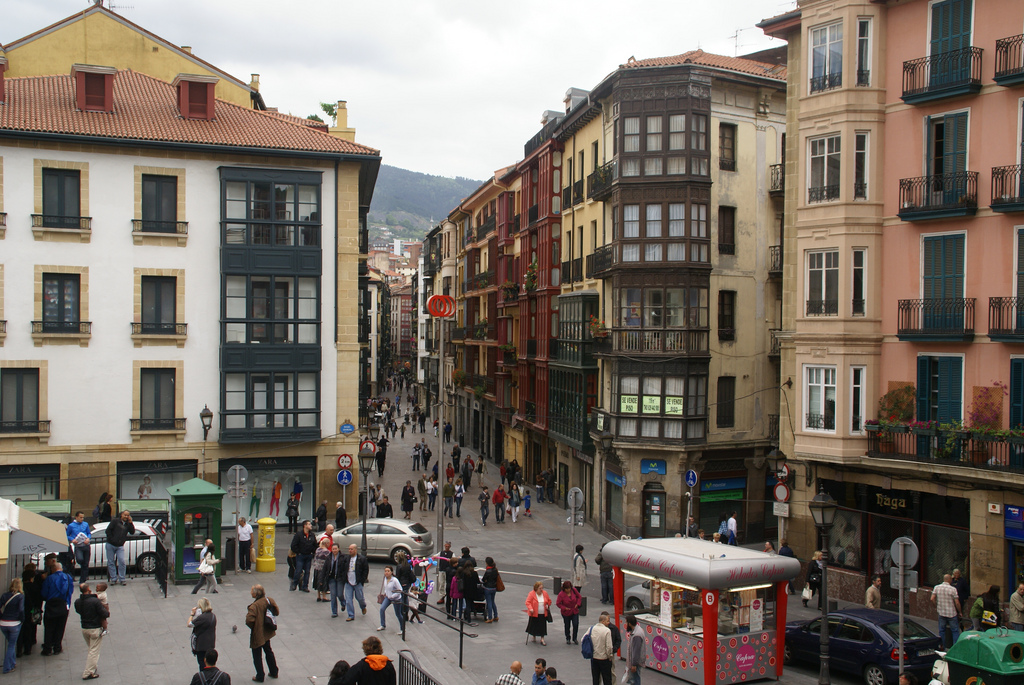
691	481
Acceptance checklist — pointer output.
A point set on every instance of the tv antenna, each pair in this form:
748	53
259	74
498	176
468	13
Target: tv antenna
111	6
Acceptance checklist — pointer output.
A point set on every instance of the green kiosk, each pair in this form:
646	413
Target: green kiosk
195	517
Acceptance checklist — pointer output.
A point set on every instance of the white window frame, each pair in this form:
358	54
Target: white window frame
870	41
826	369
810	52
860	406
866	154
864	278
824	270
825	139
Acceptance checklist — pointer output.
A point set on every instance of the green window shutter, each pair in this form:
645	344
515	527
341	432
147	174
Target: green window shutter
923	382
1020	263
954	142
950	389
1016	392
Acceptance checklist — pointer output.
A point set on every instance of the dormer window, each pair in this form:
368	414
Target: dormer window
196	95
94	87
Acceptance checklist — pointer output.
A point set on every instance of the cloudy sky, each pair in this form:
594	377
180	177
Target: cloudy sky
447	87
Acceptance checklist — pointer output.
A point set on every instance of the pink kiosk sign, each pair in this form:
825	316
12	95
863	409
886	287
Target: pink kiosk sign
725	621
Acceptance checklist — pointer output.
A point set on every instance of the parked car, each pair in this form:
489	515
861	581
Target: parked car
865	643
638	597
139	549
387	537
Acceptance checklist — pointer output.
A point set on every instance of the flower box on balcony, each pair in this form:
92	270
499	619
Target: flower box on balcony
872	428
930	432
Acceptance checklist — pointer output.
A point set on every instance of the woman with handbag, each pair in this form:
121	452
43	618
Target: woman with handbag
390	595
991	612
207	569
538	607
471	590
515	500
12	614
568	601
262	628
32	586
490	583
320	557
813	585
203	623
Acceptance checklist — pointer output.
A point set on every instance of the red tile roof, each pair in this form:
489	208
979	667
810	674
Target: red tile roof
707	59
312	123
146	108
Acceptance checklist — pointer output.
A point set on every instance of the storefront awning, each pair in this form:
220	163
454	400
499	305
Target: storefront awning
699	563
30	533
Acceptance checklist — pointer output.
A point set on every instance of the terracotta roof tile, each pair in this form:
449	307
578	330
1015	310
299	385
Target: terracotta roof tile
707	59
312	123
145	108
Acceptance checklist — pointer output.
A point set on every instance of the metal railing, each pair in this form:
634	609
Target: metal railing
28	426
484	279
531	349
860	191
953	316
863	77
680	341
530	410
83	223
1009	57
777	180
826	82
822	194
3	218
487	227
726	164
566	197
942	71
939	192
951	447
603	259
577	192
825	422
1007	186
150	226
476	380
158	424
822	307
1006	316
773	428
71	327
3	326
775	259
159	328
515	223
774	346
600	181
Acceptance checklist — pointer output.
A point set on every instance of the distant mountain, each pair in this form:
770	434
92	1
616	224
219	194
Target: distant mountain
407	204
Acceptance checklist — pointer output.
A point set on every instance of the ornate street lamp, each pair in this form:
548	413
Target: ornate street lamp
367	457
206	416
823	511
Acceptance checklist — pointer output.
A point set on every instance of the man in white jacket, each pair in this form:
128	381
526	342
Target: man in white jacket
601	663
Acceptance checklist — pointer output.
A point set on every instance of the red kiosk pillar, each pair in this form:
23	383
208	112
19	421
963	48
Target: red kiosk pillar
781	603
709	610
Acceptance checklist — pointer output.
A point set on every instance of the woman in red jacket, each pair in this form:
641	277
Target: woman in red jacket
538	606
569	601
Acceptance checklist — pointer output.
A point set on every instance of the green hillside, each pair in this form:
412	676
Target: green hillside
407	204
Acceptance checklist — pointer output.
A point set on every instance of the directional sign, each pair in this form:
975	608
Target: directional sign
781	492
345	461
691	478
346	428
344	477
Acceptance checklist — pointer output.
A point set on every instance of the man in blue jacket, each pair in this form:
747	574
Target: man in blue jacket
58	588
80	537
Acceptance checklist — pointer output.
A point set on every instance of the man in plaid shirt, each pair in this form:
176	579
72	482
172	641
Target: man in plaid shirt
947	604
512	677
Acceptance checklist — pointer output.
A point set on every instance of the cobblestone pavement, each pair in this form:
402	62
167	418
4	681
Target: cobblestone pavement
149	640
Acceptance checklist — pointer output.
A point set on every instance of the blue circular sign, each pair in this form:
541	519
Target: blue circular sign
347	429
691	478
344	477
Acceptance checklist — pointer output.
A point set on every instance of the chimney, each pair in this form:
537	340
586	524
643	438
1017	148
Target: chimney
573	97
187	49
340	128
3	68
255	82
94	87
549	115
196	95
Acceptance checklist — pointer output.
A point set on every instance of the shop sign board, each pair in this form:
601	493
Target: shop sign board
1013	522
653	466
628	404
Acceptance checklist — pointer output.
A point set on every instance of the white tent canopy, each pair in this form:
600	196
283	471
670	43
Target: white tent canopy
28	532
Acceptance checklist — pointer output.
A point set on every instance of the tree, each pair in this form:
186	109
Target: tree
330	110
315	117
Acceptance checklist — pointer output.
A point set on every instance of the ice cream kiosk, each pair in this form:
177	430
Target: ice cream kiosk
195	517
713	613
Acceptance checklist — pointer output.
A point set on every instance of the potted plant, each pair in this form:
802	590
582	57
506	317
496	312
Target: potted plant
459	378
928	428
985	417
478	391
598	329
896	408
510	290
531	276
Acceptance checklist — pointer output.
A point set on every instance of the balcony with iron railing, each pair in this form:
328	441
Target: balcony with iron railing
25	426
1010	61
166	227
577	192
1007	189
531	349
777	179
821	422
822	308
74	223
143	425
151	328
599	183
863	78
531	411
484	279
487	227
773	428
514	227
942	75
946	319
726	164
939	196
1006	319
949	445
775	261
774	346
660	341
822	194
458	333
477	381
484	331
603	260
566	198
62	327
820	84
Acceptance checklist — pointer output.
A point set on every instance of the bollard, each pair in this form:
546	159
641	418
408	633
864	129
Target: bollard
557	586
265	562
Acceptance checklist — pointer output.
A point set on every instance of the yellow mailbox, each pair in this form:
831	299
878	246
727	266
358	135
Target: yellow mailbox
265	562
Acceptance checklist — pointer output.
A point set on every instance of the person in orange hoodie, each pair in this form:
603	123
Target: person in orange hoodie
372	669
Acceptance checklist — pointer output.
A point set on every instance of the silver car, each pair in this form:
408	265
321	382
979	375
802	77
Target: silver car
387	537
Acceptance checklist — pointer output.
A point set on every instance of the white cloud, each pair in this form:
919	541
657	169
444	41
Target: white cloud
449	87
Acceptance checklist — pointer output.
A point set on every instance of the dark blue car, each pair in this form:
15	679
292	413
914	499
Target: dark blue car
865	642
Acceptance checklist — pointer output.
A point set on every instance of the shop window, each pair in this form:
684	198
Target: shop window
19	400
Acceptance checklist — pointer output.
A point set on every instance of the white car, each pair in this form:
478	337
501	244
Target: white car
139	548
638	597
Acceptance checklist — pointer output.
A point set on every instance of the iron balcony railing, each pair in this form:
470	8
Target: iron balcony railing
566	272
822	307
577	192
26	426
487	227
3	326
3	218
826	82
76	327
158	424
458	333
775	259
515	223
531	410
588	268
577	269
1009	57
509	358
83	223
553	348
599	183
945	71
149	226
777	181
145	328
954	192
1007	185
1006	317
822	194
951	447
484	279
826	422
863	77
566	197
774	346
476	380
604	259
773	428
531	349
726	164
951	317
675	341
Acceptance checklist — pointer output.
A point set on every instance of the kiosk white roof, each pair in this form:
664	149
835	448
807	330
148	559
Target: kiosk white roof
700	563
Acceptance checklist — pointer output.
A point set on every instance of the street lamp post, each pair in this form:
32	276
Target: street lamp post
823	511
206	416
367	458
776	462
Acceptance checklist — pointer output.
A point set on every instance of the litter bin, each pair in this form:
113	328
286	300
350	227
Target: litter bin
995	657
265	562
227	561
